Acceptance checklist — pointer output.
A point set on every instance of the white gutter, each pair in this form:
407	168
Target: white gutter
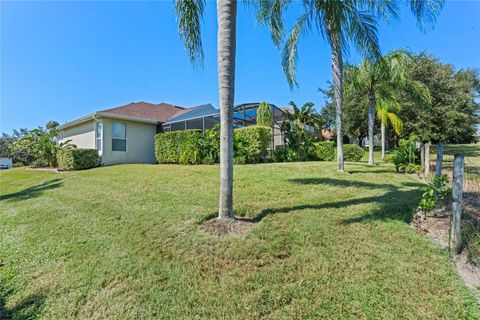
100	114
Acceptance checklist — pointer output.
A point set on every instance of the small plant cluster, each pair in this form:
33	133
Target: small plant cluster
406	157
434	194
77	159
250	145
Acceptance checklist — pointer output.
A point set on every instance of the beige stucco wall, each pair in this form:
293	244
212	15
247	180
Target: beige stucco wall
82	135
140	143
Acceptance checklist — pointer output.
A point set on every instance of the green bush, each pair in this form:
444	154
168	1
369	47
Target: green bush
325	151
434	194
210	145
353	152
189	148
192	147
179	147
250	144
77	159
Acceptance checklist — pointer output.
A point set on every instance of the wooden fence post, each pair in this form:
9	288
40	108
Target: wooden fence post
455	237
438	164
422	155
427	159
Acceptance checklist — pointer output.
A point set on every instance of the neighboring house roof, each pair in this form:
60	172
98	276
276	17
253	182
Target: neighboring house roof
159	112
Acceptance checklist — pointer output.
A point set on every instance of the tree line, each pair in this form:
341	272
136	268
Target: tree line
435	103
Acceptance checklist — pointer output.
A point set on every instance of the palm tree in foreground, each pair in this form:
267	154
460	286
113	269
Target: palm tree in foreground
339	22
189	14
378	79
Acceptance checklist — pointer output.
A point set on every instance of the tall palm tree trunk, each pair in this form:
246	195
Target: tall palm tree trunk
382	128
337	70
226	46
371	123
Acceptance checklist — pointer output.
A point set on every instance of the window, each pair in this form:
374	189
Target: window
119	136
99	137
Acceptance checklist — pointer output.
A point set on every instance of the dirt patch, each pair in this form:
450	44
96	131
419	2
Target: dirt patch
437	228
227	227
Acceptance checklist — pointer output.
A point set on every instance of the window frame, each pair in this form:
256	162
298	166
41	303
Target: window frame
125	139
99	138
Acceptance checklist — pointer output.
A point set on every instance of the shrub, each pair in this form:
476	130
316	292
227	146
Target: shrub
325	151
210	145
250	144
434	193
178	147
77	159
192	147
189	147
352	152
406	157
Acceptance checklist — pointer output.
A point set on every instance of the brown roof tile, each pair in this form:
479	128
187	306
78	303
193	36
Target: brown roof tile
159	112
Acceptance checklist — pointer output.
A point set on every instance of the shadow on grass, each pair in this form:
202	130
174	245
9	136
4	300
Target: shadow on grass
394	204
29	307
33	191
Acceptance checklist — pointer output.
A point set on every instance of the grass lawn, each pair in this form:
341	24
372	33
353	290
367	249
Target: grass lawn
123	242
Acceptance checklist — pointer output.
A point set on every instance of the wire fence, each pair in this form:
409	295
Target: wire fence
471	197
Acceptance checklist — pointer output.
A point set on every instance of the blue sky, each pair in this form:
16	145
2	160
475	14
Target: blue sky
61	60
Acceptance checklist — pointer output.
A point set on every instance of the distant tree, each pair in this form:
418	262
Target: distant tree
264	115
377	80
51	124
9	148
453	114
43	145
387	114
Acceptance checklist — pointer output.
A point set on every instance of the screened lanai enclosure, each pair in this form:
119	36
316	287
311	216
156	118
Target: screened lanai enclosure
244	115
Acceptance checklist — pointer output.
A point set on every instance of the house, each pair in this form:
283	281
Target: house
126	134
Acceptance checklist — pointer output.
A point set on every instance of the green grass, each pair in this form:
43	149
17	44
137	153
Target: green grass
121	242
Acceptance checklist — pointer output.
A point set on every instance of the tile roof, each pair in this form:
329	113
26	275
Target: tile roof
159	112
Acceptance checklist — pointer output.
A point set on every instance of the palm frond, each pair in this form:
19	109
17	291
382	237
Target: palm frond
270	13
426	11
361	28
189	15
289	54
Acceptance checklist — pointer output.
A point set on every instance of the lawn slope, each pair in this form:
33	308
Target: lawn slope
122	242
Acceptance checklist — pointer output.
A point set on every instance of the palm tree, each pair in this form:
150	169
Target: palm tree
299	118
386	114
339	22
189	13
377	79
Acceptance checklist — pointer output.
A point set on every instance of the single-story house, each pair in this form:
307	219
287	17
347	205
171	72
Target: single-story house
126	134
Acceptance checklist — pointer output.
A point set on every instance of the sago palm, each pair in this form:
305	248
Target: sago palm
378	79
189	15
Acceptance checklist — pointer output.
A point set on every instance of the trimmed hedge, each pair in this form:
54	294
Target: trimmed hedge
325	151
353	152
178	147
192	147
77	159
250	144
